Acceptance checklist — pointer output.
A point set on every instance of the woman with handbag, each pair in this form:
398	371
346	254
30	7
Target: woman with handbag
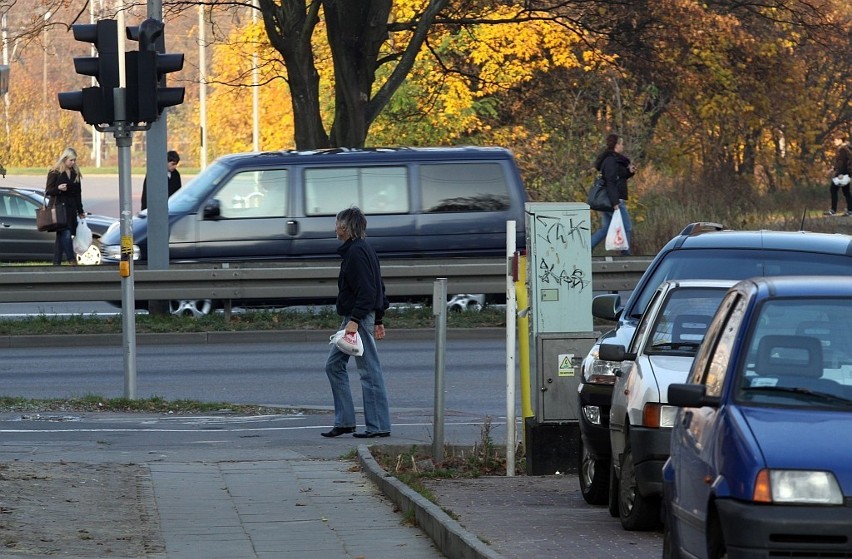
615	168
63	187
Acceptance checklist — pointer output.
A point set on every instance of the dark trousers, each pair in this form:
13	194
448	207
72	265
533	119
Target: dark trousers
834	189
63	245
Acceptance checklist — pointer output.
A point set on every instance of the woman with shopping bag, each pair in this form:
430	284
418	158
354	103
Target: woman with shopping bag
615	168
63	187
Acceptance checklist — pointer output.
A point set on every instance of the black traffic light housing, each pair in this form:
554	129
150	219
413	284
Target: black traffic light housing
147	94
95	103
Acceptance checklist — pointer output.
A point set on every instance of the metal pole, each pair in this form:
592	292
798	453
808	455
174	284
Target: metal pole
511	315
202	86
123	140
439	309
255	91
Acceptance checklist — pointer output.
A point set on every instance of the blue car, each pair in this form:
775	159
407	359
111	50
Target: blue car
761	448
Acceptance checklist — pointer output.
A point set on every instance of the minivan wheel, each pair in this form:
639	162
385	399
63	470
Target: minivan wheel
191	307
594	477
635	511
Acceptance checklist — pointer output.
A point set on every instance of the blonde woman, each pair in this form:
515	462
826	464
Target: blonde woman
63	187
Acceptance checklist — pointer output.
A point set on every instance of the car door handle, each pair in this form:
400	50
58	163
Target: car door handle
292	228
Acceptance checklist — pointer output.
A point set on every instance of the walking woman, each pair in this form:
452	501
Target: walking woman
616	168
63	187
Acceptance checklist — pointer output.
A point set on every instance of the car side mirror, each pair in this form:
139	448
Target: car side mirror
691	396
607	306
212	209
614	352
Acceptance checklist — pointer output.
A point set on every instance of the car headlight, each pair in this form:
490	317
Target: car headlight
658	415
798	487
112	253
598	371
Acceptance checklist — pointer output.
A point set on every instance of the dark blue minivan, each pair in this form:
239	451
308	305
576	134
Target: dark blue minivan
419	202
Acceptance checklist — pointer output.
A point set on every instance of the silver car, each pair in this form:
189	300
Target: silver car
660	353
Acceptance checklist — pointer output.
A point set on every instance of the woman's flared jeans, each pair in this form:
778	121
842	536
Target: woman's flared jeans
376	411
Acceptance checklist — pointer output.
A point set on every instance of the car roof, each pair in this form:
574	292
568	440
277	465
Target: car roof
698	283
801	286
367	155
803	241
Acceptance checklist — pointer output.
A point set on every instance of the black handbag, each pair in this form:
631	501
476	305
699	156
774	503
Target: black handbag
51	217
598	199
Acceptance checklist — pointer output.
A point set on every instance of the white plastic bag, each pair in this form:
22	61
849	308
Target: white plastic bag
82	237
348	343
841	180
616	238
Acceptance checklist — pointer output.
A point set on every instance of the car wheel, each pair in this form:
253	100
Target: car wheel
91	257
594	477
191	307
716	539
613	492
635	511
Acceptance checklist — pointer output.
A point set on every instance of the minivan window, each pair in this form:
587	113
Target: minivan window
253	194
463	187
189	197
376	190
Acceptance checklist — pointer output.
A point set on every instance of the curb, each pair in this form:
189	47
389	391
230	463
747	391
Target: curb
450	537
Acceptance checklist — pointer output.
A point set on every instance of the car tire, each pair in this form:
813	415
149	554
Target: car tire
594	477
635	511
612	504
716	539
191	307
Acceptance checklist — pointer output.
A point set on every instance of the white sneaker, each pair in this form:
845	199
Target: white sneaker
828	212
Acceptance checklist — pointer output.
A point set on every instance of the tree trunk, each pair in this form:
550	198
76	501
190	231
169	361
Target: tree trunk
290	27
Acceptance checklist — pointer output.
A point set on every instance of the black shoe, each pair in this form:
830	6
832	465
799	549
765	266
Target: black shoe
371	434
337	431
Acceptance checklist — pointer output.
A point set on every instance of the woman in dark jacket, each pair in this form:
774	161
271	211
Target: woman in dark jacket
616	168
63	188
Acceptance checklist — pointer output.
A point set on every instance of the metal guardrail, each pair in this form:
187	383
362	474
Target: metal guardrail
279	280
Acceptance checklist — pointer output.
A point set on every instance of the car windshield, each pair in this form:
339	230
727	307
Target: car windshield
736	264
188	198
681	324
799	355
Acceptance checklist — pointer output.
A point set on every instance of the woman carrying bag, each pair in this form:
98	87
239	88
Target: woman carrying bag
63	187
615	168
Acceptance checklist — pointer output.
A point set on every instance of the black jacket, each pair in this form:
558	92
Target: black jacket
173	186
843	161
361	289
615	169
71	199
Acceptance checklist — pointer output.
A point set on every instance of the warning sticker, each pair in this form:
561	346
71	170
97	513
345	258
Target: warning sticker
566	365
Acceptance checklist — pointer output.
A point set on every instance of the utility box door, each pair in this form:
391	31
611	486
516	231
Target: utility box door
560	266
560	358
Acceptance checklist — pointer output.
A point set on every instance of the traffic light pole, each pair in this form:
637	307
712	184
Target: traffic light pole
123	140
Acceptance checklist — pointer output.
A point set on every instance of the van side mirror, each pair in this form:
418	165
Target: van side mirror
212	209
607	306
691	396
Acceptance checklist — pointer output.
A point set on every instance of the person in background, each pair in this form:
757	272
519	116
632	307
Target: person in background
840	175
616	168
63	187
361	301
172	160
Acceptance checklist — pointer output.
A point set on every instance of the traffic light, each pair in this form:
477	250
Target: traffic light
95	103
147	94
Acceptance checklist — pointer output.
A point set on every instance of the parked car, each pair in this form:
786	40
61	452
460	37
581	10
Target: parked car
21	241
760	450
640	419
701	250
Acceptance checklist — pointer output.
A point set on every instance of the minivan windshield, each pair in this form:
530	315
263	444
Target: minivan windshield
195	191
735	264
